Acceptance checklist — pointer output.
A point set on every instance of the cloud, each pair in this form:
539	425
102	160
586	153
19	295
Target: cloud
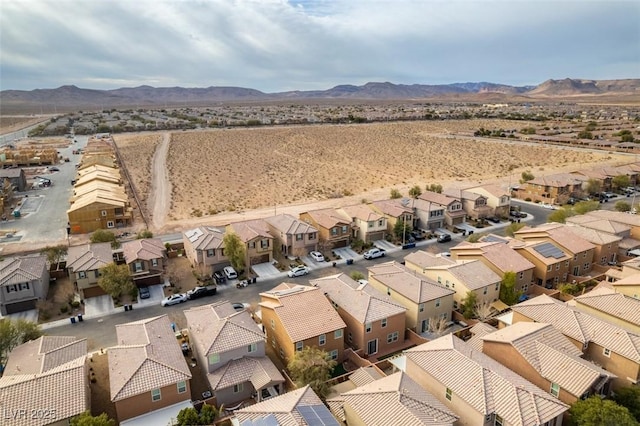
277	45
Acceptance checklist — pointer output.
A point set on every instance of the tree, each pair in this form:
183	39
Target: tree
356	275
560	215
584	207
629	397
508	293
395	194
483	310
115	280
474	238
190	416
622	206
402	229
595	411
435	187
55	254
415	191
14	333
468	304
104	236
526	176
144	234
312	366
437	325
512	228
585	134
593	186
621	181
235	250
86	419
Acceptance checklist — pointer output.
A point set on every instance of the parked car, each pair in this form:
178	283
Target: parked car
317	256
418	235
240	306
230	273
298	271
200	291
54	169
548	206
374	253
494	219
443	238
219	277
174	299
144	292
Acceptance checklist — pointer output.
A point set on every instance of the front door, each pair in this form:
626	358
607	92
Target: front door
372	347
425	325
576	270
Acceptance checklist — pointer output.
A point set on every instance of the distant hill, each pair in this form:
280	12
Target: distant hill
67	98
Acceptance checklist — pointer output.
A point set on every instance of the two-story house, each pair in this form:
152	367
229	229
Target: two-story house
334	229
551	262
497	198
257	239
394	211
552	189
461	276
426	301
23	281
375	322
428	215
474	204
367	224
606	246
544	356
602	175
230	347
478	389
146	260
607	304
454	214
204	247
296	316
83	265
295	237
500	258
147	370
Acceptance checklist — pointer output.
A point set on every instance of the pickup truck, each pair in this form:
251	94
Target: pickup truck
374	253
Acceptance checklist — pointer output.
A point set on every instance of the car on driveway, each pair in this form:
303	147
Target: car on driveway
374	253
240	306
174	299
144	292
219	277
200	291
443	238
317	256
298	271
230	273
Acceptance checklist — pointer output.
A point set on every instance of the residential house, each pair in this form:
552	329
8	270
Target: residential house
605	245
629	285
474	203
145	258
257	239
98	210
426	301
204	247
496	198
500	258
147	371
300	407
99	174
230	347
367	224
461	276
454	214
46	382
578	249
544	356
478	389
16	178
552	189
23	281
296	316
631	220
394	211
83	265
612	347
295	237
428	215
392	400
375	322
334	229
602	175
605	303
551	262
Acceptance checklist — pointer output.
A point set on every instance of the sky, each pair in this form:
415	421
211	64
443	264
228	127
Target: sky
279	45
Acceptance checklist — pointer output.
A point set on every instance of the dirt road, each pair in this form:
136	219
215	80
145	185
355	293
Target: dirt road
160	196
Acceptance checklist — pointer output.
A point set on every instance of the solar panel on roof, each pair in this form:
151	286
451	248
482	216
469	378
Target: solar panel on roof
549	250
317	415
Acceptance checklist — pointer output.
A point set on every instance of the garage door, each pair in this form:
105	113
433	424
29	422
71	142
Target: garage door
340	244
27	305
93	292
260	259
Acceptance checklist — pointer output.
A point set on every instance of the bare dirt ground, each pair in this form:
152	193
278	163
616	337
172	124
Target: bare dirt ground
13	123
160	196
218	176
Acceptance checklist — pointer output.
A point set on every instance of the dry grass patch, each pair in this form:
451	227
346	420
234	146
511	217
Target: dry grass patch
137	154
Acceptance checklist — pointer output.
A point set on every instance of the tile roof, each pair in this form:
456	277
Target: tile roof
620	217
437	198
425	260
290	225
494	190
362	212
361	301
147	357
260	371
394	400
291	304
427	206
204	237
484	384
531	246
96	197
410	284
557	233
328	218
594	236
218	328
558	180
614	304
599	224
40	369
463	194
580	326
392	208
12	172
478	331
628	243
552	355
628	280
20	269
505	258
282	407
143	249
365	375
251	229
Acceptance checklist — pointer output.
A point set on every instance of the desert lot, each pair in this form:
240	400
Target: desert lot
233	170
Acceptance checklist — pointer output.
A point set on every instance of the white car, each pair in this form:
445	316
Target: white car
298	271
317	256
230	273
174	299
548	206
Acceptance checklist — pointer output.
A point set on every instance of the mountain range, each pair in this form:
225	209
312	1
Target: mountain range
66	98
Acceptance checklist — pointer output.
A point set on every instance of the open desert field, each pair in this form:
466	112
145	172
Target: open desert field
234	170
13	123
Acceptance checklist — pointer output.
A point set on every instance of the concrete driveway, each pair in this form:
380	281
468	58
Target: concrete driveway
346	253
384	244
265	270
156	295
30	315
98	306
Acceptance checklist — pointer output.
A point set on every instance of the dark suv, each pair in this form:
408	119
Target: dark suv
443	238
219	277
198	292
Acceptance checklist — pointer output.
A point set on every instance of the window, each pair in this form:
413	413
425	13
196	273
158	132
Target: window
110	224
558	266
281	353
154	262
367	327
383	322
440	280
498	421
214	358
252	347
566	263
337	334
23	286
237	388
484	291
299	346
334	231
497	285
381	222
252	244
421	307
264	243
370	224
586	266
350	337
299	237
555	389
222	252
156	395
312	236
521	275
447	283
103	213
455	305
182	387
273	343
96	273
137	267
344	229
273	324
584	255
525	287
437	303
392	337
448	394
322	339
82	274
549	268
211	252
575	257
606	352
334	354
